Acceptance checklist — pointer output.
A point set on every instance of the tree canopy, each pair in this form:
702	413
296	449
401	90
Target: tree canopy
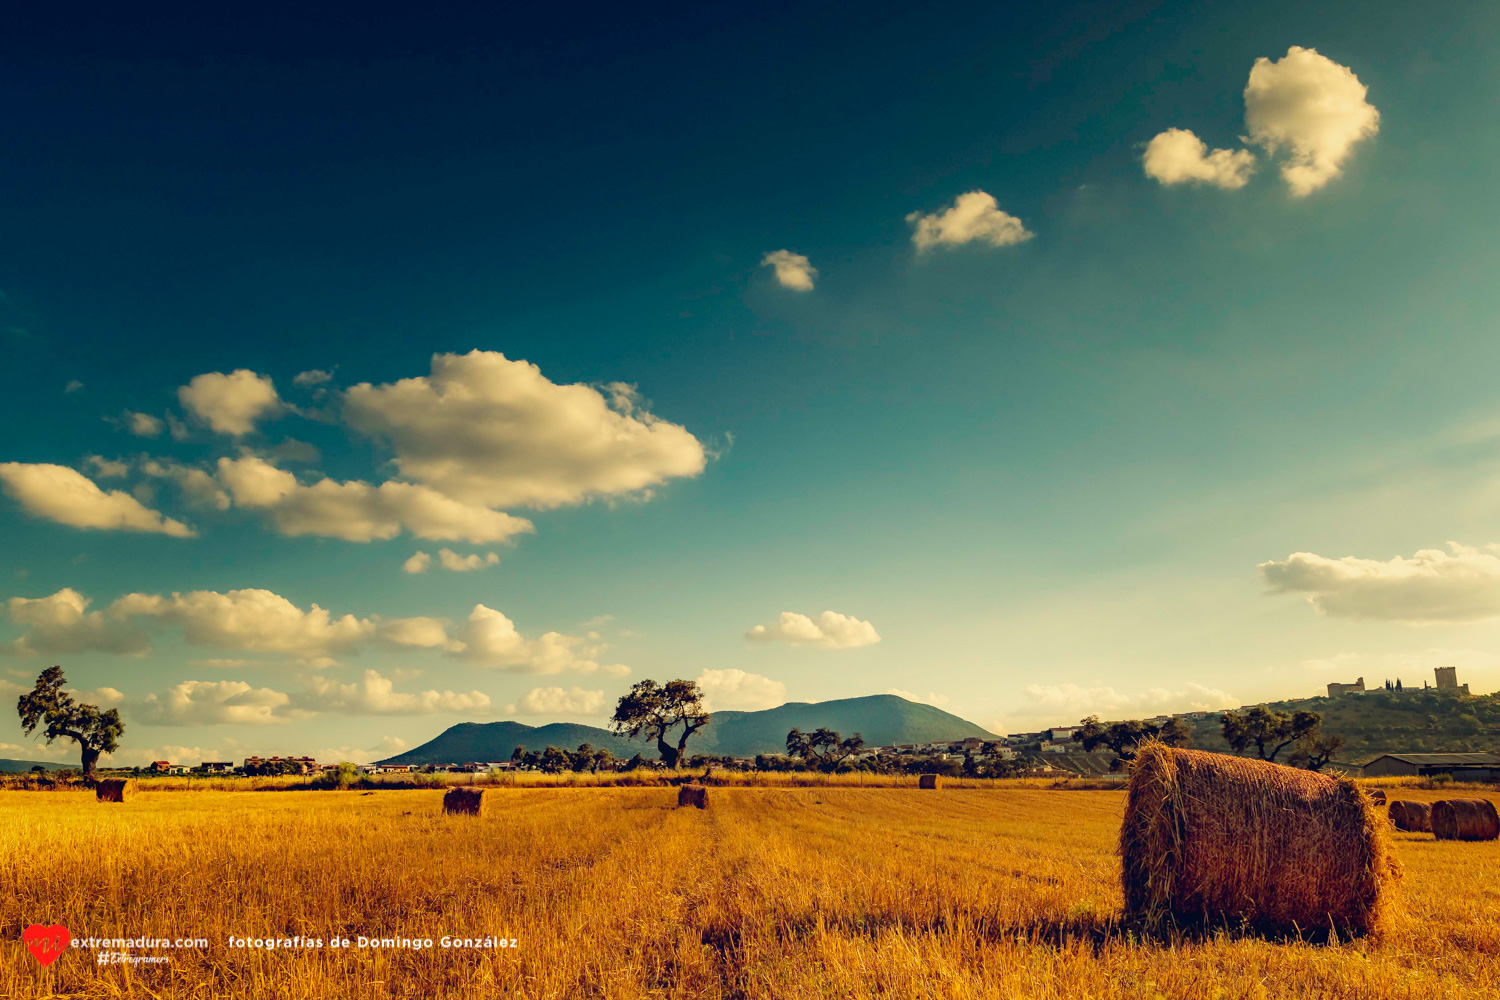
657	710
94	731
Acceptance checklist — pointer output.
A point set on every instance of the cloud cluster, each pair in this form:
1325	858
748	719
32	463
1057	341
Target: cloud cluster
793	270
66	496
830	630
420	562
560	701
975	217
1303	104
1430	587
489	639
736	690
1065	704
207	703
490	431
230	404
62	623
374	694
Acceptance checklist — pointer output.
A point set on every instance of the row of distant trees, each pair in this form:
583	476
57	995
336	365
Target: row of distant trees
671	713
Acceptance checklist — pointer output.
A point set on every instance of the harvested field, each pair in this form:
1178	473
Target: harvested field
614	892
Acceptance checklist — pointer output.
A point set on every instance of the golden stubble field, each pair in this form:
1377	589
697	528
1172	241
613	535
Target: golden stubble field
611	892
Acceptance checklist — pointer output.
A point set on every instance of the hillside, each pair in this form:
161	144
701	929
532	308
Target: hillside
1381	721
881	719
10	766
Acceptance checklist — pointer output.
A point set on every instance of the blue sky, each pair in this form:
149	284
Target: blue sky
1153	429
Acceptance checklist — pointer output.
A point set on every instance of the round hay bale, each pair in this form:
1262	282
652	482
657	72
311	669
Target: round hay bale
1377	796
464	801
692	795
1413	817
114	789
1465	819
930	781
1210	839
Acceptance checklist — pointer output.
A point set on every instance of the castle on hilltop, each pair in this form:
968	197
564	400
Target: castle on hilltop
1447	680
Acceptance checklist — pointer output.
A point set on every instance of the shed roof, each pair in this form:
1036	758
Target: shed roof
1429	759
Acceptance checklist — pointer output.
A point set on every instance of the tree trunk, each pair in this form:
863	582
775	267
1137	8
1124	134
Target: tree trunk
668	755
90	759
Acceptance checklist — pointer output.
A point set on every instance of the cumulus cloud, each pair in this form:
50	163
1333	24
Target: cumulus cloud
62	623
793	270
200	488
252	619
829	630
315	376
490	431
106	468
1065	704
561	701
490	639
230	404
416	633
143	424
207	703
936	700
973	217
376	695
1310	106
1177	156
456	563
736	690
58	493
418	562
358	512
1431	587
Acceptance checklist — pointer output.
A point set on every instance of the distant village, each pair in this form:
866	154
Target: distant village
1050	752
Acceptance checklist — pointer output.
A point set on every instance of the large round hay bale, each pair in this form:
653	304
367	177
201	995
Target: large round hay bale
1414	817
930	781
692	795
1465	819
1213	839
114	789
464	801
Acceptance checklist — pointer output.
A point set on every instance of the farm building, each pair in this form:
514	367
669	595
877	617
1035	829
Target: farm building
216	766
1472	766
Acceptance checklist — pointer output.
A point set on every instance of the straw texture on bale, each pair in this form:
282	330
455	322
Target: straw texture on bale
1414	817
930	781
1465	819
114	789
1210	839
464	801
692	795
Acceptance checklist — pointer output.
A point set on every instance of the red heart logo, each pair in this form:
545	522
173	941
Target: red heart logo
46	943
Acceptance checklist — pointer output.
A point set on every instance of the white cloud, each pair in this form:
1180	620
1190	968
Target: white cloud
416	633
830	631
62	623
206	703
973	217
417	563
936	700
73	386
490	639
106	468
495	432
199	487
559	701
793	270
464	564
1311	106
358	512
376	695
230	404
1066	704
1431	587
1177	156
736	690
143	424
66	496
252	619
315	376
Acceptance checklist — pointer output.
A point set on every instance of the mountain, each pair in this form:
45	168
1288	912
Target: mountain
881	719
9	766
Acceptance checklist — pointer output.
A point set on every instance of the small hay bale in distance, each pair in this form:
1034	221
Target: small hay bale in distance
1378	796
464	801
1465	819
692	795
1413	817
114	789
1210	839
930	781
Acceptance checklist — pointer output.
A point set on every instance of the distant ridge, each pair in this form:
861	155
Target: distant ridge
882	719
10	766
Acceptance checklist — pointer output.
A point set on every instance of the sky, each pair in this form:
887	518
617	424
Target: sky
465	364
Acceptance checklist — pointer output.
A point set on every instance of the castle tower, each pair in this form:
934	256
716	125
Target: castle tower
1447	680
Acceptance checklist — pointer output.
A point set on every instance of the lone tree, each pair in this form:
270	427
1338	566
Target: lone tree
657	710
48	704
823	749
1267	731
